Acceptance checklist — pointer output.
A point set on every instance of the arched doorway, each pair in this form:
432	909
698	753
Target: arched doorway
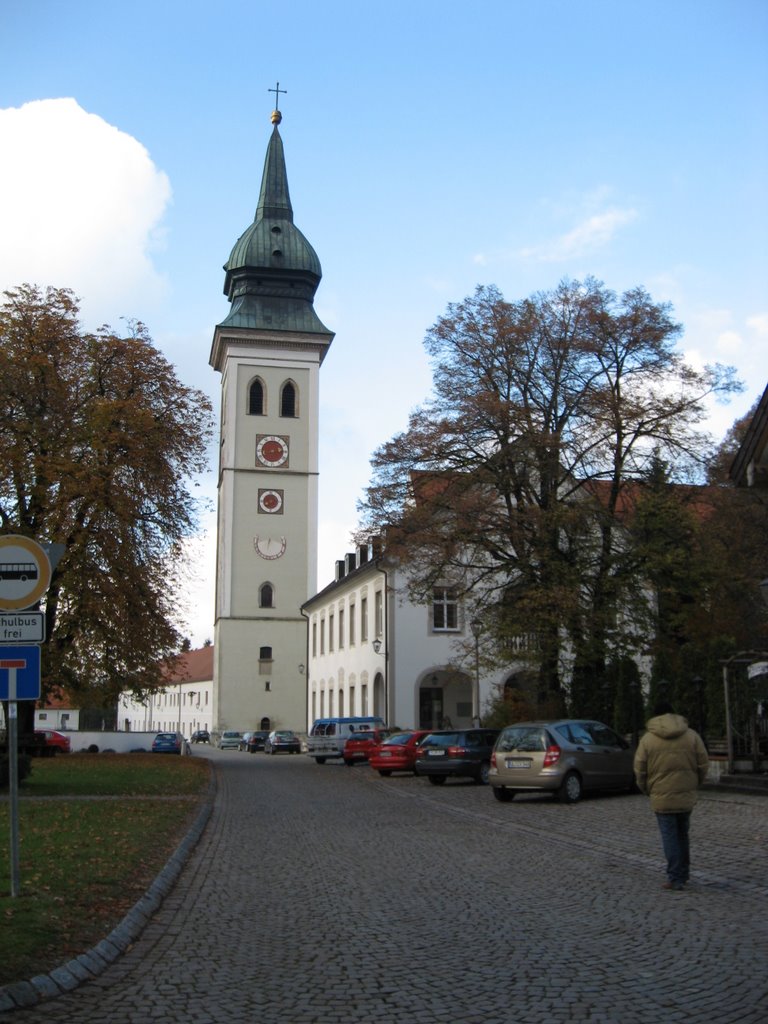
380	697
444	700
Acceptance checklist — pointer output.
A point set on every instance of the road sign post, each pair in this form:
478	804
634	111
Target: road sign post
11	666
25	575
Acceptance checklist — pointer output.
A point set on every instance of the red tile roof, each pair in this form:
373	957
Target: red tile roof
191	667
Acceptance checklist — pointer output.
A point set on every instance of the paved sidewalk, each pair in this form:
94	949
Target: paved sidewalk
327	895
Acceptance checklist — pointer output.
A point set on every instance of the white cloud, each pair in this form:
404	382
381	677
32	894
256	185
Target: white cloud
594	232
80	204
759	324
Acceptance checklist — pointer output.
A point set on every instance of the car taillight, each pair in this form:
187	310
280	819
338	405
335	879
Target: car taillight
493	759
456	751
551	757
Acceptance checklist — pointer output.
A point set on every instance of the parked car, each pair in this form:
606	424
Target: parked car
282	740
398	752
257	740
456	752
566	758
52	742
168	743
243	744
201	736
358	747
230	740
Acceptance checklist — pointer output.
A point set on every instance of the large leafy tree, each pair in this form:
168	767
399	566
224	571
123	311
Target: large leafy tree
511	480
99	442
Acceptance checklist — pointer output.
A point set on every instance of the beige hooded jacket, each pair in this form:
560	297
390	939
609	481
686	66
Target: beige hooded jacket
670	764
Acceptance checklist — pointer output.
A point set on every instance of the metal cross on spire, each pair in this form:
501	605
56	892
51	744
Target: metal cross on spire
277	90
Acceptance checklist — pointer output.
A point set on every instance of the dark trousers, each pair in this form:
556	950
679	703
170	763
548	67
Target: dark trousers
674	839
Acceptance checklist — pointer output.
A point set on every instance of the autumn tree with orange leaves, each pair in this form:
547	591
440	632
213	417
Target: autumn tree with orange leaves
99	445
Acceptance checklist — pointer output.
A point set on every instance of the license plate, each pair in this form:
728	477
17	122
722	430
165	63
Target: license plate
517	762
385	753
436	753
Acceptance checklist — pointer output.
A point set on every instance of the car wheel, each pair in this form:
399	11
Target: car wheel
482	776
319	760
570	789
503	794
385	772
436	780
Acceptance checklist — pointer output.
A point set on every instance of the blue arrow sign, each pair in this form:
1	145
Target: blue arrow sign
22	665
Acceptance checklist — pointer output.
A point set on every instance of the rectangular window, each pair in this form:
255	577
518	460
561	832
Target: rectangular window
341	628
379	614
445	609
364	620
314	640
322	636
330	634
352	611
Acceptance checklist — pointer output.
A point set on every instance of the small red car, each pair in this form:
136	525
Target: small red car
397	753
358	746
52	742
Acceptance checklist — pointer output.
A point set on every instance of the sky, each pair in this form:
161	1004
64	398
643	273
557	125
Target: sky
431	146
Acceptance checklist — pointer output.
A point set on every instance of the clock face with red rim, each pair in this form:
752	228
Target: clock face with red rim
271	501
272	450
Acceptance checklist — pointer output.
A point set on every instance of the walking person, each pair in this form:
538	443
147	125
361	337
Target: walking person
671	763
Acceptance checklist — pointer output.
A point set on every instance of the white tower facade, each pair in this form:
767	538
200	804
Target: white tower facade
268	351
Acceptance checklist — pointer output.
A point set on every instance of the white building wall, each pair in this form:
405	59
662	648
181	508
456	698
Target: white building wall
349	680
185	707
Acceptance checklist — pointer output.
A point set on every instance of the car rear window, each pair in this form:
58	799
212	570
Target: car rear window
442	739
166	736
398	740
528	738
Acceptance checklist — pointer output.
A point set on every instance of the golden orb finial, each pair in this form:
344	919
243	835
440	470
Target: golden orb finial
277	117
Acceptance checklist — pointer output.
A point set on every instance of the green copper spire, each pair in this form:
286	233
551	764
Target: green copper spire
273	272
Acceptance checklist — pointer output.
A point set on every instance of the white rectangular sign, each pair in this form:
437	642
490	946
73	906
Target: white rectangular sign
22	628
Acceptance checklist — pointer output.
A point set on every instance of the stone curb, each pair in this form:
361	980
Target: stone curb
22	994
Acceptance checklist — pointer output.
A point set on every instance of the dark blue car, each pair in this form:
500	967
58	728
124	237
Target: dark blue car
168	743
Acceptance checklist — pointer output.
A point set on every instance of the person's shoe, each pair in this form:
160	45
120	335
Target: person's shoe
674	886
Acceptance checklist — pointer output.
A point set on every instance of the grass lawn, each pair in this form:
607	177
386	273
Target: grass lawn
84	862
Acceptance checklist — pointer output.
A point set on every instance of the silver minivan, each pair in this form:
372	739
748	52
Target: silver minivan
565	757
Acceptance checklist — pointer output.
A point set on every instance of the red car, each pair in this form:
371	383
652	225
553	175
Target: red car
52	742
358	747
397	753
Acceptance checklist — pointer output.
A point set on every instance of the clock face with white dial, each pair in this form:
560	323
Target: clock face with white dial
270	547
270	501
272	450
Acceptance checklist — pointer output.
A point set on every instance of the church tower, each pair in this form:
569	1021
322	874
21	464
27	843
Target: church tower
268	351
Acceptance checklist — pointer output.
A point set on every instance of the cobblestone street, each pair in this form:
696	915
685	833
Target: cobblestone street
328	895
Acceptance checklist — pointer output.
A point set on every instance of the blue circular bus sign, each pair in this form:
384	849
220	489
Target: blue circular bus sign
25	572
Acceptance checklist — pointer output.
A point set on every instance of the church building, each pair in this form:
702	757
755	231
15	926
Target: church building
268	350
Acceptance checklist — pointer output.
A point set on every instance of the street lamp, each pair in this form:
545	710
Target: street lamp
698	685
477	627
377	645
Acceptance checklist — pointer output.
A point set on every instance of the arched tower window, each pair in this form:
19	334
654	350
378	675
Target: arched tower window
266	596
256	398
288	400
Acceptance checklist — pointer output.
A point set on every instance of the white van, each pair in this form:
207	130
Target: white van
328	735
